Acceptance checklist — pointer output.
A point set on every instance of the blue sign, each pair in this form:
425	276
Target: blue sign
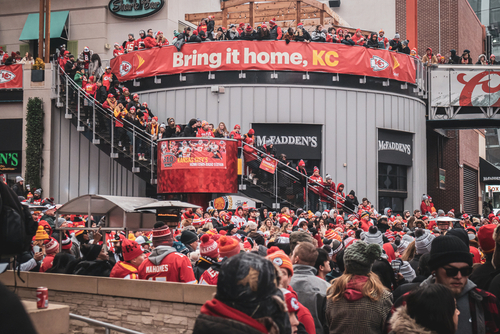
135	8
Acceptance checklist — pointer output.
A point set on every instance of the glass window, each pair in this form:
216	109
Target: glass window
395	203
392	177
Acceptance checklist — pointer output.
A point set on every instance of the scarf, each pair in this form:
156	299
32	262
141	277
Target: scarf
217	308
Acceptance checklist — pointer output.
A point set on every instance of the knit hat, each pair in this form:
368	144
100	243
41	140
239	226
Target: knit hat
397	36
188	237
208	247
291	300
162	235
41	234
19	179
302	163
249	28
51	246
131	249
423	242
485	238
272	21
316	169
359	257
252	226
407	271
331	235
278	257
405	241
448	249
365	213
374	236
228	246
337	246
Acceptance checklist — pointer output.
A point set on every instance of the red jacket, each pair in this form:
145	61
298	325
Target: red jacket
327	192
47	263
365	224
249	151
340	196
237	136
149	42
203	133
124	270
425	208
174	267
314	187
118	52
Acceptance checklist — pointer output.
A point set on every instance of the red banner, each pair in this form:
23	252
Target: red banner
198	153
265	56
11	76
269	165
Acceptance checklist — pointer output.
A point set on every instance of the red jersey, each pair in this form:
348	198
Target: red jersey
209	277
365	224
203	133
314	187
106	80
140	44
90	89
163	43
124	270
175	267
118	52
237	136
86	59
129	46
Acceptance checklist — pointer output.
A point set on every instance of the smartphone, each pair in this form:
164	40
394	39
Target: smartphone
36	249
396	266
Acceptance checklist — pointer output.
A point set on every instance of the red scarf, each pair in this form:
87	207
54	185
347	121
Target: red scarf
354	287
216	308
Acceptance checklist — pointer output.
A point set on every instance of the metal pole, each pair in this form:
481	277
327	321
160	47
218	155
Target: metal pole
133	148
307	195
47	31
40	29
152	160
276	186
67	94
112	133
78	101
93	122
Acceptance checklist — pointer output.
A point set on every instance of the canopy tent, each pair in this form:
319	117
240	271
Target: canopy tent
168	204
58	28
120	211
444	219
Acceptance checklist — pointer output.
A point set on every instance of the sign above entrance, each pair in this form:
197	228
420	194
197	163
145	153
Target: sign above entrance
135	8
395	147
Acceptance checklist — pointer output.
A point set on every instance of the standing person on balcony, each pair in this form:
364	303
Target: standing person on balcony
347	40
318	35
275	30
395	44
236	134
481	60
160	39
302	176
340	197
191	128
202	26
264	33
120	112
232	34
249	34
221	131
90	90
429	58
492	60
454	58
327	193
118	50
205	130
358	38
268	150
210	28
315	183
139	44
250	155
85	57
383	42
301	35
283	179
129	45
466	58
108	78
372	41
149	40
134	103
351	202
95	67
172	130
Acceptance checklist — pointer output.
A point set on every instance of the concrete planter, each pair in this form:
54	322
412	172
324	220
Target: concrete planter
37	75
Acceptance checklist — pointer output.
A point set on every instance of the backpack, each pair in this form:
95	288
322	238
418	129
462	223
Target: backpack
17	227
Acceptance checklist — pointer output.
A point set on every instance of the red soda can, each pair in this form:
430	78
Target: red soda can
42	297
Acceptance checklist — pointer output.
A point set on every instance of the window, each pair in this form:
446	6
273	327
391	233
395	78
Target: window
392	177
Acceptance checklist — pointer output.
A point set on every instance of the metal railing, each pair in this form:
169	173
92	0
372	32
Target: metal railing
290	179
107	326
94	113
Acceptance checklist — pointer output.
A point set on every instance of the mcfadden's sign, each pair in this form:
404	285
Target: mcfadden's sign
307	145
135	8
395	147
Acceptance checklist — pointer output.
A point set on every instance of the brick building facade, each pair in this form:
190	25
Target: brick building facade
454	151
460	27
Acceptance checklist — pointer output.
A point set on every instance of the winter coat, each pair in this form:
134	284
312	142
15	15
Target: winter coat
351	204
349	42
311	292
68	68
484	274
318	36
210	28
189	131
149	42
358	316
372	44
402	323
194	39
395	45
93	268
232	35
95	69
249	37
18	189
101	94
207	324
454	59
358	40
302	35
275	33
429	60
50	220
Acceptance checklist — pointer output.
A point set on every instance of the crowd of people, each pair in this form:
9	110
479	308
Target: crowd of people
297	271
15	58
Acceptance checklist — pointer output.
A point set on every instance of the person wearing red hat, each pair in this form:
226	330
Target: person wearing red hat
228	246
118	50
315	182
249	34
327	193
160	39
165	263
206	270
275	30
241	28
358	38
264	33
133	256
236	134
149	40
51	249
488	236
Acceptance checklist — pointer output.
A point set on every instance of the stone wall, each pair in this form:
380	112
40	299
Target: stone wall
144	306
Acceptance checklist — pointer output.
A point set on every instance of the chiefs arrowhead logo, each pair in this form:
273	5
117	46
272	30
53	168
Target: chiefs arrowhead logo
6	76
125	67
378	64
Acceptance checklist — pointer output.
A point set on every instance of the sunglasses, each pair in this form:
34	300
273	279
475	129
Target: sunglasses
453	271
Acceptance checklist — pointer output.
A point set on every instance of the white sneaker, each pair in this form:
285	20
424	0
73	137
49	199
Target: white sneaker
255	181
250	176
120	144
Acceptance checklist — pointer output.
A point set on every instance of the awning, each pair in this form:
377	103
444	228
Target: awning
57	24
489	173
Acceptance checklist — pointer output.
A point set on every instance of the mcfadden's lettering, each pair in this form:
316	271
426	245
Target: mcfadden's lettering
311	141
384	145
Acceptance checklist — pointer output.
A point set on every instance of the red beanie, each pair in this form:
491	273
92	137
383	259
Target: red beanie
228	246
195	32
485	238
302	163
162	236
249	28
208	247
272	21
278	257
130	249
251	132
52	246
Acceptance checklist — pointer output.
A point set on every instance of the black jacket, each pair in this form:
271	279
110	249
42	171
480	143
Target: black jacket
396	45
194	39
210	28
18	189
170	132
189	131
484	274
372	44
93	268
206	324
348	42
304	37
202	265
454	59
101	94
351	204
68	68
249	37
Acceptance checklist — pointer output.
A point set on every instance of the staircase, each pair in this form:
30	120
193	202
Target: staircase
97	125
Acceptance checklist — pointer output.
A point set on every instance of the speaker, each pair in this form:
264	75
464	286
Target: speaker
334	3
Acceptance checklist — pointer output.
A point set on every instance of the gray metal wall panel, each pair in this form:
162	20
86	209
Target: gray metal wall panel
348	118
84	165
56	156
94	170
177	109
104	174
64	161
74	166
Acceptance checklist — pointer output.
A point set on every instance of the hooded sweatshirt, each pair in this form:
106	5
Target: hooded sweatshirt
429	59
159	266
372	43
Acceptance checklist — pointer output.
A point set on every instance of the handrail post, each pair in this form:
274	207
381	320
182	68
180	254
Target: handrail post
307	195
93	121
133	149
152	160
112	154
276	186
78	101
67	94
